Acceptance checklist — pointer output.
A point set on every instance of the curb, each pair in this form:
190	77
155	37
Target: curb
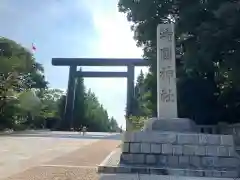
104	162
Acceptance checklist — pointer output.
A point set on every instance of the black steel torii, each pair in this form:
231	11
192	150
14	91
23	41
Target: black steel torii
74	62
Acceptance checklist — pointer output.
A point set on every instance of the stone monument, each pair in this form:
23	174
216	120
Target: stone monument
166	71
169	145
167	119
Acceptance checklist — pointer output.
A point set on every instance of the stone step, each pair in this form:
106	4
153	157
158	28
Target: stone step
178	138
167	171
182	161
112	164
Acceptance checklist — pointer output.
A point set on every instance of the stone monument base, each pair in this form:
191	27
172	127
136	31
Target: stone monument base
175	153
171	124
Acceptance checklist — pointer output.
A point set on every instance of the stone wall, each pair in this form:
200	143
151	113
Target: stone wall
233	129
178	150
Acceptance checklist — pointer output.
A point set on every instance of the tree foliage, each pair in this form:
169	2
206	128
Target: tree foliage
137	122
27	102
142	106
18	71
208	33
89	112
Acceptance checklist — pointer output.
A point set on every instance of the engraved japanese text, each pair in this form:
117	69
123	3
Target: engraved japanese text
167	95
167	73
165	33
166	54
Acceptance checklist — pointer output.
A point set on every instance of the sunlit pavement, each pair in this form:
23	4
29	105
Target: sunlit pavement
20	151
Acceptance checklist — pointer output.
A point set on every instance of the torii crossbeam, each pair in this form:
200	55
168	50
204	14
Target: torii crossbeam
73	73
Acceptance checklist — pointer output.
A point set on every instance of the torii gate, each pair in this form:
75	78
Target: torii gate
73	73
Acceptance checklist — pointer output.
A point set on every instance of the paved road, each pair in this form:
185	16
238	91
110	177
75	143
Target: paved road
34	149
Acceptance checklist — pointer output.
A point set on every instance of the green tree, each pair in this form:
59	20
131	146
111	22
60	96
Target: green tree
79	117
97	117
18	72
18	69
142	104
113	125
87	111
62	124
208	34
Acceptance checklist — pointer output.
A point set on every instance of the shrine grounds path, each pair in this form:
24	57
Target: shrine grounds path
45	155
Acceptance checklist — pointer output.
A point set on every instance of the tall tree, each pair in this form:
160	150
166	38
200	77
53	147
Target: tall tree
142	106
208	32
18	72
113	125
79	117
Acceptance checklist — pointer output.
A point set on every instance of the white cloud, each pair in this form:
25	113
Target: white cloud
115	41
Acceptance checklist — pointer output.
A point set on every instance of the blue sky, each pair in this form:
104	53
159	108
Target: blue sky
76	28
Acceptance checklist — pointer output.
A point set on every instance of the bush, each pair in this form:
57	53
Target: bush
19	127
137	122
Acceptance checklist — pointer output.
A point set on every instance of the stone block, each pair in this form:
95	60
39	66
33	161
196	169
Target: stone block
156	172
154	137
200	151
135	147
136	170
106	169
172	161
216	173
162	160
230	174
156	148
212	150
167	149
138	158
125	147
227	140
199	173
223	151
183	161
189	149
167	138
140	137
170	124
213	139
157	137
208	173
145	148
229	162
151	159
209	161
193	173
128	137
202	138
209	139
177	149
123	169
176	172
231	151
126	157
195	161
187	139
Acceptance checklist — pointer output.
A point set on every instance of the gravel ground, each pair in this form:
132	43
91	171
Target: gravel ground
81	164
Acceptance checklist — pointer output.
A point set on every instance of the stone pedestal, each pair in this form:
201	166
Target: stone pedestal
197	154
175	153
171	124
